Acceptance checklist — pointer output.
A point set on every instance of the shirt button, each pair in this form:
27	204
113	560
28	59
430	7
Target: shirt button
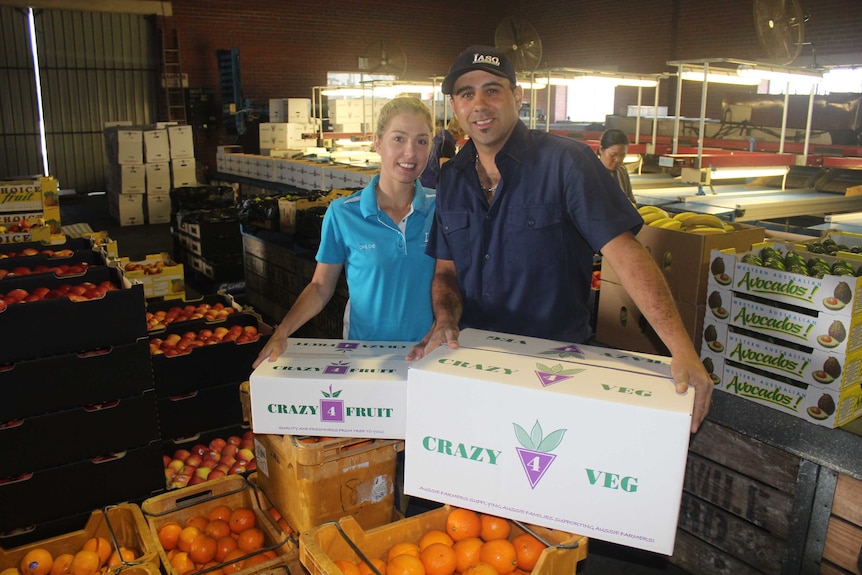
487	295
531	222
487	256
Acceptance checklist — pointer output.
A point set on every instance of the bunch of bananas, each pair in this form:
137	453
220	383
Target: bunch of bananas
684	221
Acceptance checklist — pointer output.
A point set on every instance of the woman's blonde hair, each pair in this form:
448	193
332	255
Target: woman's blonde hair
400	105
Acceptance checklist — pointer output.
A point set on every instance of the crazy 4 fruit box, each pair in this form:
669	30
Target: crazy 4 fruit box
322	395
572	446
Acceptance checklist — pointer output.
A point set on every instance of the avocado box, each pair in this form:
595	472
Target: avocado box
323	395
834	294
828	408
571	446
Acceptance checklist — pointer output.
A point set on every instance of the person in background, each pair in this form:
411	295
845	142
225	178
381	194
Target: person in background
519	215
613	148
442	150
378	237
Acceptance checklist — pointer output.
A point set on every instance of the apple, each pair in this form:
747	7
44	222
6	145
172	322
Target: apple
176	465
216	473
166	459
196	480
222	468
248	435
209	462
229	450
169	475
202	472
200	449
217	444
237	468
227	460
181	454
245	455
194	460
247	444
233	439
252	465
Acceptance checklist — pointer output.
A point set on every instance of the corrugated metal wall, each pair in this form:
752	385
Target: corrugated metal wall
95	67
19	119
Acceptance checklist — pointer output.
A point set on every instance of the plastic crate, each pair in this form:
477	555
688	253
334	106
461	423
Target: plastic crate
234	491
312	483
123	525
320	547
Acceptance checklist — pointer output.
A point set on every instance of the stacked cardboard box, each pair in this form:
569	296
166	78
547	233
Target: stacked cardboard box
82	366
684	259
144	164
787	340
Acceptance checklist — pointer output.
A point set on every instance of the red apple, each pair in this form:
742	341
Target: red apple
227	460
196	479
210	462
247	444
233	439
217	444
237	468
194	460
252	465
216	473
181	454
229	450
202	472
248	435
200	449
222	468
245	455
166	459
170	474
176	465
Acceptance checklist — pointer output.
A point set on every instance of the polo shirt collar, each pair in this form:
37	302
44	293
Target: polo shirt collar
368	198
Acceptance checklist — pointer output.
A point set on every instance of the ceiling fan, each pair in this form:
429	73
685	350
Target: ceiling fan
520	42
383	58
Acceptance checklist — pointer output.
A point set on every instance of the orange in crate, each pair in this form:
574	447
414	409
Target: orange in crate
320	547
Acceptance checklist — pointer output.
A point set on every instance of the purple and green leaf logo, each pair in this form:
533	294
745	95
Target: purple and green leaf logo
562	352
337	368
331	409
549	375
535	451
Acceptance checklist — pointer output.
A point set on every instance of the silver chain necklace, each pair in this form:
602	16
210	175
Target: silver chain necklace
489	191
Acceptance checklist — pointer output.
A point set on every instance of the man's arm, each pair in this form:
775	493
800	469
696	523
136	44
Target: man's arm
646	285
447	306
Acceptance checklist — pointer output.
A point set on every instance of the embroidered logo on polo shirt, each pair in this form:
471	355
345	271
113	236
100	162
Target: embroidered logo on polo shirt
370	246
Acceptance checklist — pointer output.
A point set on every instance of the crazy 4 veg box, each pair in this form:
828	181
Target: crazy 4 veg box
572	446
327	395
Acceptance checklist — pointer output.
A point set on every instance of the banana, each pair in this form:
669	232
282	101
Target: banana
644	210
658	223
671	225
729	228
705	230
704	220
683	216
653	216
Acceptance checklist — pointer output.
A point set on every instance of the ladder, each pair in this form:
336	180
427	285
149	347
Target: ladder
172	77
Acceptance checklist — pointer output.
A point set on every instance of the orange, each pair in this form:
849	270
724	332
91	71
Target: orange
434	536
232	564
527	551
169	535
219	512
16	571
405	565
270	554
347	567
379	564
85	563
250	540
463	523
256	559
182	563
480	569
467	552
494	527
101	546
241	518
203	549
403	548
210	565
217	528
61	564
122	555
499	554
438	559
187	536
198	521
224	545
36	562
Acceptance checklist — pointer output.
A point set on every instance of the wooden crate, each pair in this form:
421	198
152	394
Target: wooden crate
842	551
737	504
320	547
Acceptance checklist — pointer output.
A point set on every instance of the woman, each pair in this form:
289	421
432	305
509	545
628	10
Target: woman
378	237
443	149
613	148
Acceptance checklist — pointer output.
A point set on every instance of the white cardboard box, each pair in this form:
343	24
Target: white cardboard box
307	394
130	147
158	208
298	110
183	173
285	135
348	348
133	179
127	209
156	146
158	178
182	142
571	446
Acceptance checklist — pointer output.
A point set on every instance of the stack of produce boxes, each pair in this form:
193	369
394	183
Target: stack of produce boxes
784	329
682	253
81	417
202	350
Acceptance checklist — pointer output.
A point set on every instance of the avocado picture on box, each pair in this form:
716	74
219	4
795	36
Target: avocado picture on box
572	446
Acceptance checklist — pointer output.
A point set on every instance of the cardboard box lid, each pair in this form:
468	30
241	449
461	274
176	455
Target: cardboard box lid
347	348
558	376
638	362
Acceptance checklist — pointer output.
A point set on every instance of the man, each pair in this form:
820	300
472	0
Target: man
520	214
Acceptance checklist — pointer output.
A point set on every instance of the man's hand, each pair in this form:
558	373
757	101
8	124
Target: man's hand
273	348
438	335
691	373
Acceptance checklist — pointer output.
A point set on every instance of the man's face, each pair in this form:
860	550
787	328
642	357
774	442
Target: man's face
487	107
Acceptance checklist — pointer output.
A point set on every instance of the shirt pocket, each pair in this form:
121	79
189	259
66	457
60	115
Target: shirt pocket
456	230
534	235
